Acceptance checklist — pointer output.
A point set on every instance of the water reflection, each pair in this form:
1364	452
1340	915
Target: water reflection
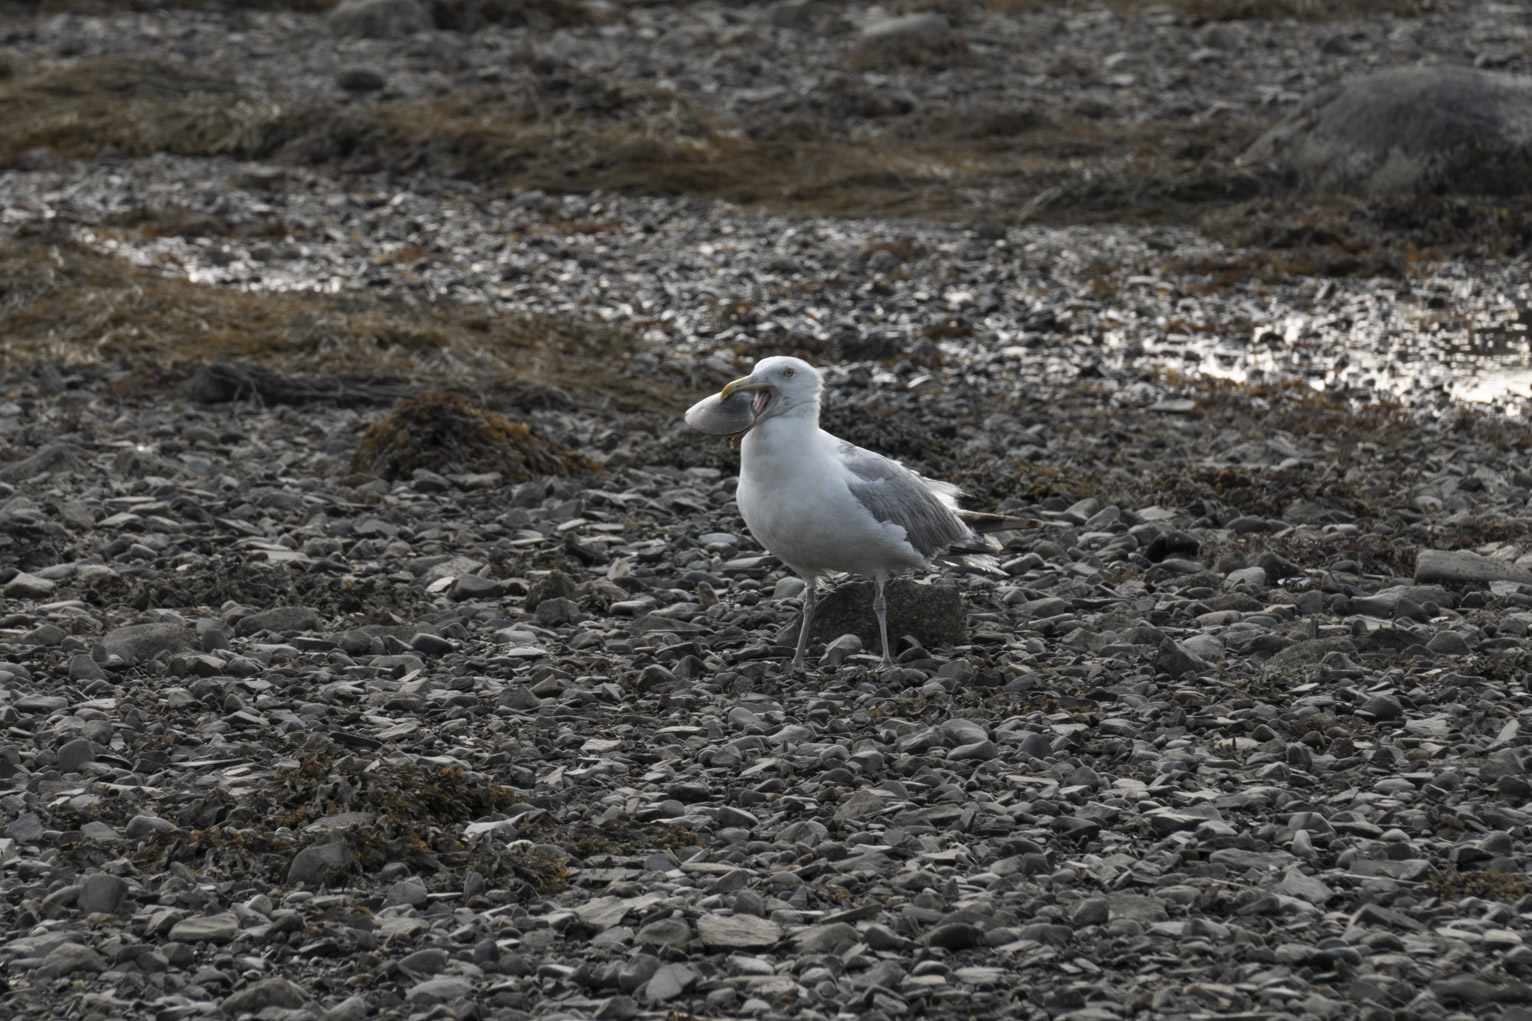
1459	333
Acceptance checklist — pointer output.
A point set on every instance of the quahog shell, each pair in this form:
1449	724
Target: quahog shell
721	417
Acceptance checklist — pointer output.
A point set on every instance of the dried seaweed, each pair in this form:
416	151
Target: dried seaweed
63	303
443	432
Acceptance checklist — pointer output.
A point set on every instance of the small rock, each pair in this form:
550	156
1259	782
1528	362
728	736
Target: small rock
924	28
955	936
665	932
441	989
838	651
352	1008
85	668
67	958
825	939
26	827
1449	643
407	891
670	981
29	586
737	932
220	928
1255	576
75	754
1384	707
268	992
961	732
102	893
1461	567
139	643
360	79
430	961
321	865
280	619
1090	911
428	644
1172	658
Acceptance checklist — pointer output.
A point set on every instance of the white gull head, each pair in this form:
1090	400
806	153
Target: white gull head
783	386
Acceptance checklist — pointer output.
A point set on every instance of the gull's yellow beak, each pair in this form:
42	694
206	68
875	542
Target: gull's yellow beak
744	383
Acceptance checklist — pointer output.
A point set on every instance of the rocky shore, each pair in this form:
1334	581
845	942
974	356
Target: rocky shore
323	705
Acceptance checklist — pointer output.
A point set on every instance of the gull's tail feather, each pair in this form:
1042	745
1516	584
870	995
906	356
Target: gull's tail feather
977	561
982	521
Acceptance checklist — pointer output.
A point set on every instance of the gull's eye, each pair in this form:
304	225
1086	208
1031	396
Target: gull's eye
787	373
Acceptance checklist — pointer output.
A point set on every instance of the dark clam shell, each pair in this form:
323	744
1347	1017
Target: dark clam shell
722	417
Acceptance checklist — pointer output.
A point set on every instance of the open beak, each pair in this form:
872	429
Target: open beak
745	383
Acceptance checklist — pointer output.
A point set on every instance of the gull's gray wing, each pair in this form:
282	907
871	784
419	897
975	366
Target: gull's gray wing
893	493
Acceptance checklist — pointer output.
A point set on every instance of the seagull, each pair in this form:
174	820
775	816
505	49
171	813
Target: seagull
822	505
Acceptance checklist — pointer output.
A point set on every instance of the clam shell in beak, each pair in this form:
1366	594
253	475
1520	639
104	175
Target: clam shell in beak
719	417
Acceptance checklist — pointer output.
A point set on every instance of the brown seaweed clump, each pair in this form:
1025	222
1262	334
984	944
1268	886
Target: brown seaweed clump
444	432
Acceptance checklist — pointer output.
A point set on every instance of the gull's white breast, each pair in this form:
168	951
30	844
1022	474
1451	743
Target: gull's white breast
795	497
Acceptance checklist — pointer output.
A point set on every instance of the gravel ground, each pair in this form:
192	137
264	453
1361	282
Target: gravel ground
1243	731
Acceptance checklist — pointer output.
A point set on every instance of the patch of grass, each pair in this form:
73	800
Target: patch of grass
63	302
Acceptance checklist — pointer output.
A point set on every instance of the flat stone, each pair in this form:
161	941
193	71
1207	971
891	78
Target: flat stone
67	958
1461	567
220	928
421	963
139	643
737	932
352	1008
268	992
441	989
670	981
280	619
922	27
29	586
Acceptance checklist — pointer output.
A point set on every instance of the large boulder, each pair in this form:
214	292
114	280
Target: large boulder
933	614
1443	130
380	19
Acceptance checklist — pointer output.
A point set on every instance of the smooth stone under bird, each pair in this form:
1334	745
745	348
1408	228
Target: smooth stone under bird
823	505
